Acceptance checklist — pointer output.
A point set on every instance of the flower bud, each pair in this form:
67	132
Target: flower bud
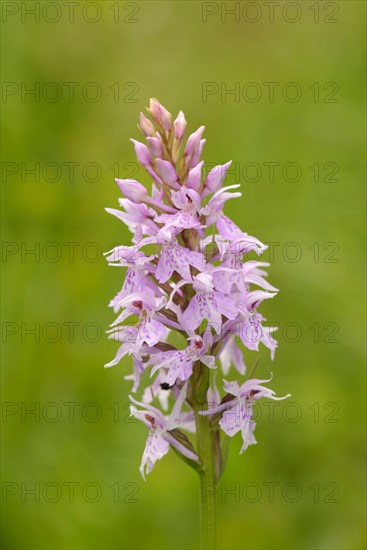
160	114
146	126
155	146
155	109
132	190
196	157
166	119
180	125
142	153
193	142
167	171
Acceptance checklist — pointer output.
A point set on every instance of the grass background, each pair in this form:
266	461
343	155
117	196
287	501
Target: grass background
170	53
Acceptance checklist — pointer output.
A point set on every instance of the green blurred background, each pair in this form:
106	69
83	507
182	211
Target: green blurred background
311	452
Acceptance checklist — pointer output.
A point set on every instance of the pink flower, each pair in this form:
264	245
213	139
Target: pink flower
137	217
179	363
237	415
208	304
230	354
187	202
176	258
215	178
193	143
180	125
160	426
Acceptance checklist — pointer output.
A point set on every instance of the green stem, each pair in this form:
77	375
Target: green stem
207	485
206	454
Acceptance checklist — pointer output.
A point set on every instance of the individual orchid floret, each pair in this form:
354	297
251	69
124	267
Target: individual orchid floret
139	366
237	415
197	155
187	202
193	142
179	363
160	427
251	332
194	145
137	217
149	329
175	258
133	190
240	276
233	249
194	177
254	275
231	355
215	178
155	146
208	303
180	126
167	172
146	160
136	278
142	153
126	335
214	208
146	126
160	115
229	230
127	256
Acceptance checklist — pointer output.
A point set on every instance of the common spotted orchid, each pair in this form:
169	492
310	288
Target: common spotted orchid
197	285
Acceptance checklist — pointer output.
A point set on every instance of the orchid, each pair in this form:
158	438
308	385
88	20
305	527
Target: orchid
237	415
161	430
197	287
180	363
